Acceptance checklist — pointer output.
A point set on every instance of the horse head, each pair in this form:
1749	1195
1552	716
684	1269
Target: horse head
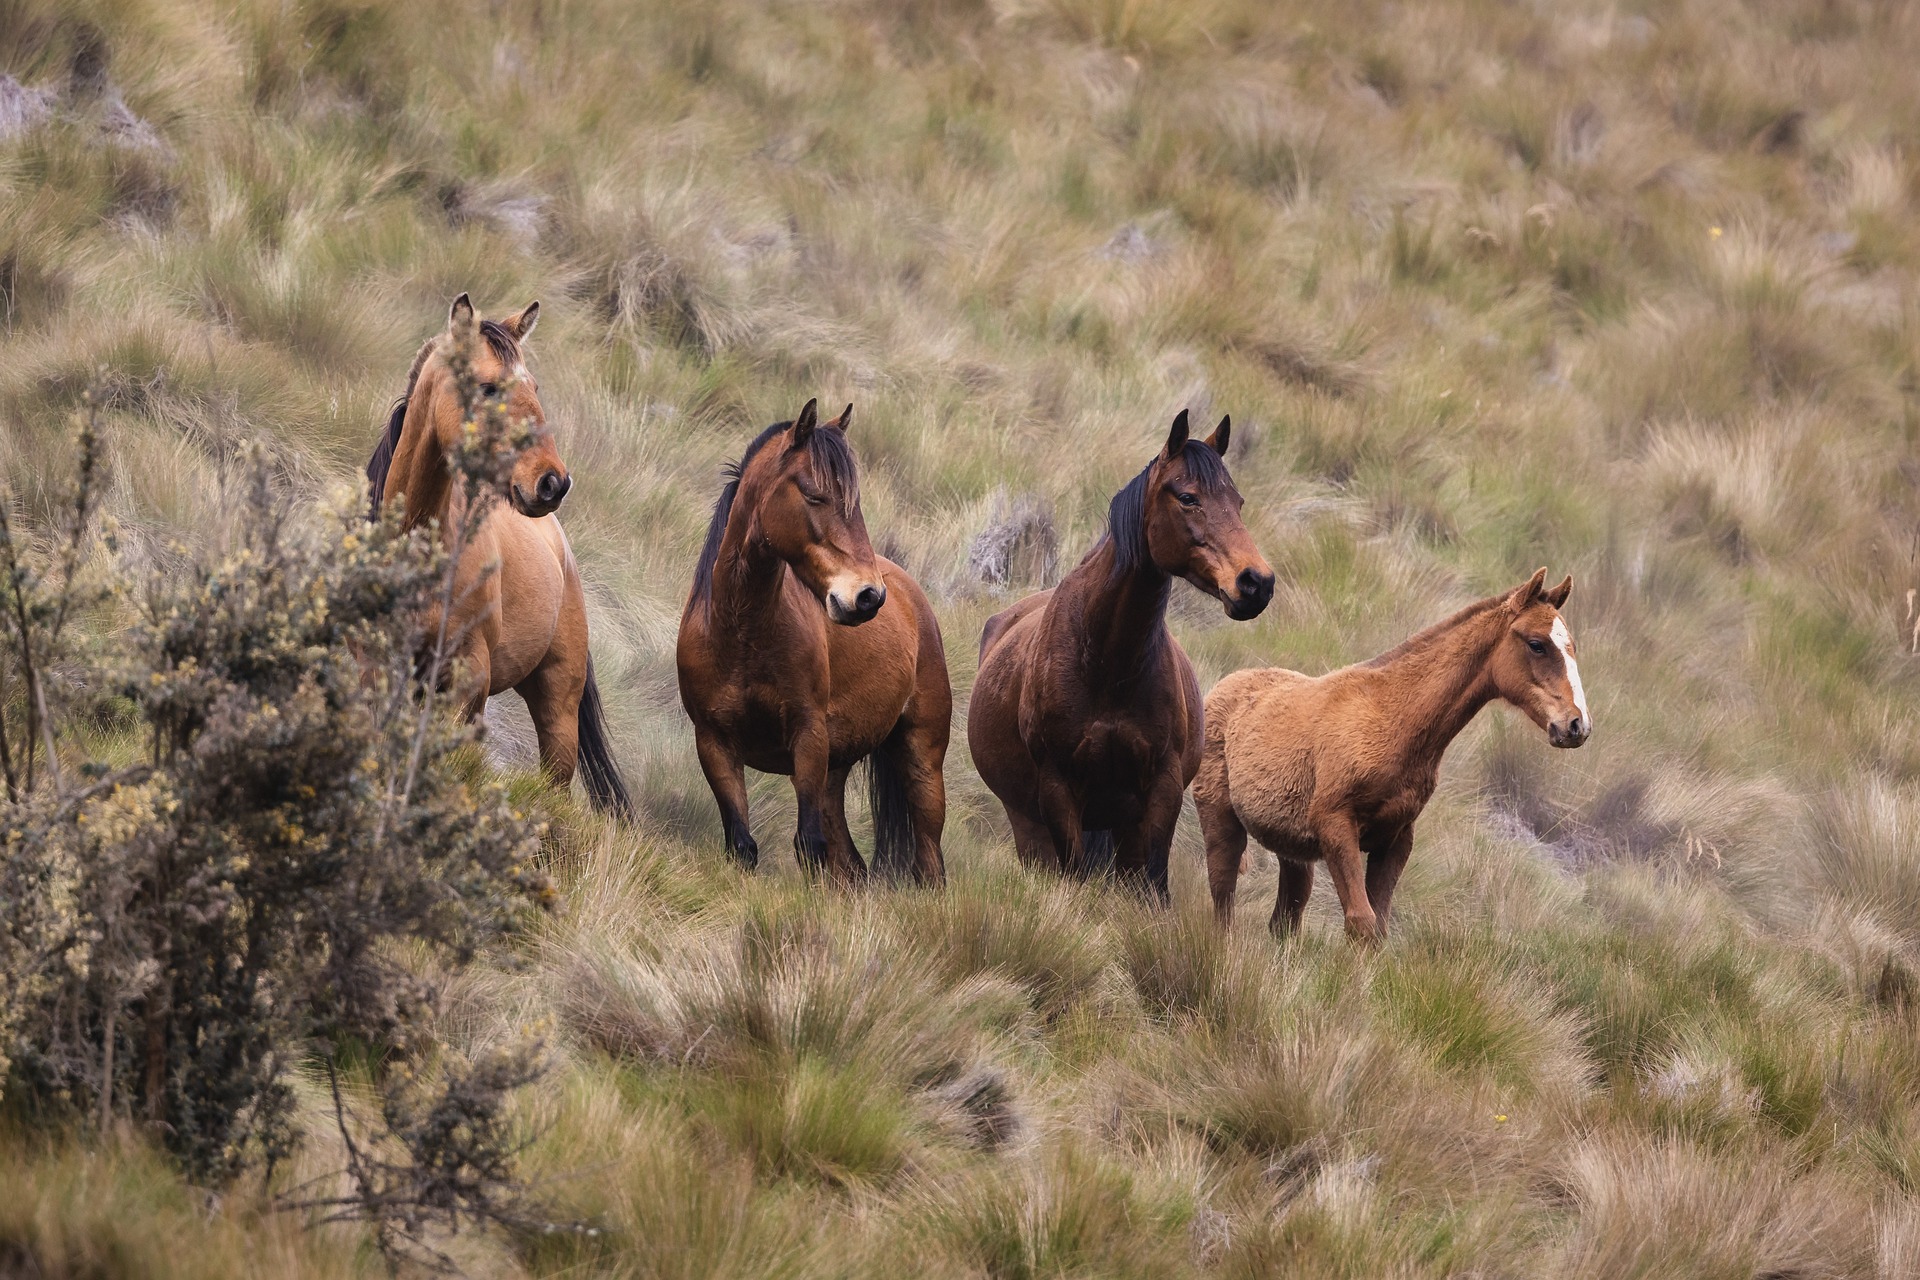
805	488
428	421
1533	666
1189	514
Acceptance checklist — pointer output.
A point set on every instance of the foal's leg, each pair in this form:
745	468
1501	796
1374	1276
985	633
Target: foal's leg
1384	865
1226	838
552	695
727	777
1340	845
843	859
1290	903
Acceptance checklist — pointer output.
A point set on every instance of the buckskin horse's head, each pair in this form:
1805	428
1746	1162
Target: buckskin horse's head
1183	513
1533	665
538	480
806	491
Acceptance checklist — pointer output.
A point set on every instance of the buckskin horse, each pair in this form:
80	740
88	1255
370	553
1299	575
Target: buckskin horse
1086	717
1336	768
519	618
802	652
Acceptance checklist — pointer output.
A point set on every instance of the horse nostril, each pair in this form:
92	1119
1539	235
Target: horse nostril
552	487
869	600
1254	585
1576	729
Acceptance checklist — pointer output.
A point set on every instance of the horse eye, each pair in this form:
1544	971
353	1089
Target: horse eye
489	389
1536	646
1188	499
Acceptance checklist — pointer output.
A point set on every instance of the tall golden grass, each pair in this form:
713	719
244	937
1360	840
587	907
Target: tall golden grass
1625	290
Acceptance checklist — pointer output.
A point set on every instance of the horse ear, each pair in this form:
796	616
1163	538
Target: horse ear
1221	434
460	314
1558	596
1176	438
845	419
1529	591
521	326
804	424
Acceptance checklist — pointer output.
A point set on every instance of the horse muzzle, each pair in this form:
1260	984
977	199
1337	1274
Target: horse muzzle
1252	592
864	605
1569	733
546	496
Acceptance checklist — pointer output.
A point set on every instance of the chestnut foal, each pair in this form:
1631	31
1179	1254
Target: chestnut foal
1337	767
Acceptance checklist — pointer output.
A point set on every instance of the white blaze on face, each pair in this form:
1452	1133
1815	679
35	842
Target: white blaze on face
1563	640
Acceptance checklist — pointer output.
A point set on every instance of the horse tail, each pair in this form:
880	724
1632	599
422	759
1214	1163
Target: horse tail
606	791
1096	850
893	844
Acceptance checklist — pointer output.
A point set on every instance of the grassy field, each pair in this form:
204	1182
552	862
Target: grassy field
1626	290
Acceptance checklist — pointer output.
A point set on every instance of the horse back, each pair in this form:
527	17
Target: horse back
1003	622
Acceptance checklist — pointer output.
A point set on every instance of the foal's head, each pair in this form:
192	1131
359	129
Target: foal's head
807	505
1183	514
539	479
1533	664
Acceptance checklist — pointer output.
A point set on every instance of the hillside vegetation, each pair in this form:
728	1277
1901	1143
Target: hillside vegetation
1624	290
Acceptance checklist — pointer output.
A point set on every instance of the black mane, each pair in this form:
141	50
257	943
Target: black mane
833	464
506	349
1127	514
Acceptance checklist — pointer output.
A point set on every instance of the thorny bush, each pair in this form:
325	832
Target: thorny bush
181	935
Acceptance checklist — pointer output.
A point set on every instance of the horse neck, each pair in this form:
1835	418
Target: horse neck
745	594
1122	615
1443	683
419	470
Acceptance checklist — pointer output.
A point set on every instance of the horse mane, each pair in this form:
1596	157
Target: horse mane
1425	639
1126	514
833	461
506	349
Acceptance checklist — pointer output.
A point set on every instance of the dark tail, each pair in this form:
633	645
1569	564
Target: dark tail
1097	848
892	821
605	789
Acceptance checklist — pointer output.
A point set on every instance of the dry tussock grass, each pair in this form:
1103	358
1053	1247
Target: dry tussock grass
1482	286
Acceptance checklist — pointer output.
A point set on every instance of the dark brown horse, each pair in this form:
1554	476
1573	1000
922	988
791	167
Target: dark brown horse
1086	718
519	618
1337	767
802	652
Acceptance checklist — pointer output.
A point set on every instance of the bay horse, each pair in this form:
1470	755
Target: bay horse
802	652
519	617
1335	768
1086	717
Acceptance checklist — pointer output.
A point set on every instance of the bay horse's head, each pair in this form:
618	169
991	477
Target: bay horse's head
803	488
433	407
1183	514
1533	664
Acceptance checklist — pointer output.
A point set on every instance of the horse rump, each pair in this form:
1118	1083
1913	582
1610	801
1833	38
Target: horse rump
606	790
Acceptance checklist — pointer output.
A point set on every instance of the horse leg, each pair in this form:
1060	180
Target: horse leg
1060	809
471	679
1290	903
1226	840
1384	865
843	859
727	778
552	695
922	756
1340	845
1142	855
1033	842
810	768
